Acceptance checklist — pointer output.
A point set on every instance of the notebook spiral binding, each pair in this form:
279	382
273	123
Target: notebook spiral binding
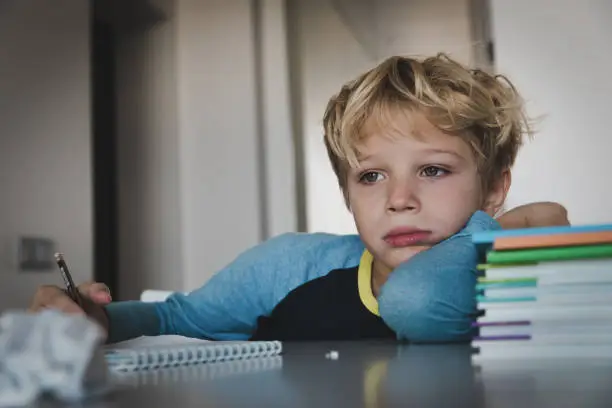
149	358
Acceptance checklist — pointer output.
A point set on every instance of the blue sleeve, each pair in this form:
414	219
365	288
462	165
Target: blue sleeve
228	305
431	297
130	319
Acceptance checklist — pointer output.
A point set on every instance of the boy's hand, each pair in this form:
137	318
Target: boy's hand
430	298
543	214
94	296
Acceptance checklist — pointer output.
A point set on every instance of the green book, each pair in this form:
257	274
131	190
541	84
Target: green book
487	266
550	254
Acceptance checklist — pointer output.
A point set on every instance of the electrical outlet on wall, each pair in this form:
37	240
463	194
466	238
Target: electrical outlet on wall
36	254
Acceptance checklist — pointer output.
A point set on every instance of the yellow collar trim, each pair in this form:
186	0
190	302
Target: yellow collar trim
364	283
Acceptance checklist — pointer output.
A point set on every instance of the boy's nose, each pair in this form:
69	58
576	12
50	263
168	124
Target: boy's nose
402	197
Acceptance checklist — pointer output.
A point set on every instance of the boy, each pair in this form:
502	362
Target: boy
422	151
418	148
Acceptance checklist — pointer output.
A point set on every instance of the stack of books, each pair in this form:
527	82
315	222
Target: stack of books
544	293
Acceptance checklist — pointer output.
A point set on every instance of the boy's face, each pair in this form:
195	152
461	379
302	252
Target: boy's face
415	186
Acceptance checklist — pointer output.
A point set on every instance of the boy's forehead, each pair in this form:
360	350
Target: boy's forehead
397	122
400	125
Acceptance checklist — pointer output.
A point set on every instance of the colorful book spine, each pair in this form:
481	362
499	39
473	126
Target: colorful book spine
543	286
549	254
489	237
553	240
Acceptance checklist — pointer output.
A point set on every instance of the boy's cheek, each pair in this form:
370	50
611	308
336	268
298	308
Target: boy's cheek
366	207
451	219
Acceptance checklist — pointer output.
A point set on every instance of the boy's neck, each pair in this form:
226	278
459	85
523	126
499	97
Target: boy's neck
380	274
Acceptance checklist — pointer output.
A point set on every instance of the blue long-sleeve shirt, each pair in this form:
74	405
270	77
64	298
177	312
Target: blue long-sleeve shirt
430	298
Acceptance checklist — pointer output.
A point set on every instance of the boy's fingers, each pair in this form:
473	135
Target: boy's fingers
89	288
98	292
101	297
541	214
66	305
52	297
45	295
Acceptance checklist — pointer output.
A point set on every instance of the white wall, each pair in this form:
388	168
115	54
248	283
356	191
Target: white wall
45	158
150	240
330	56
334	49
278	141
426	27
558	54
220	202
206	147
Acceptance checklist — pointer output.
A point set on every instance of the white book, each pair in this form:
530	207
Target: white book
574	289
544	352
538	328
489	365
540	339
548	313
550	273
577	354
547	301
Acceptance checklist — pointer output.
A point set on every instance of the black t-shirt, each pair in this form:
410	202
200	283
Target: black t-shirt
336	306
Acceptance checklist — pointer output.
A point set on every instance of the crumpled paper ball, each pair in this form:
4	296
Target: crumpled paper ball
49	352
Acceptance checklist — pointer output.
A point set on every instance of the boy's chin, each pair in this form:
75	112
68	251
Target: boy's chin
397	256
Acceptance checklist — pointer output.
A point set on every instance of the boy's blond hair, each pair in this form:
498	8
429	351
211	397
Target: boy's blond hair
485	110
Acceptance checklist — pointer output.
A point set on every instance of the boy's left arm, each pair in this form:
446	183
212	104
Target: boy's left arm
431	298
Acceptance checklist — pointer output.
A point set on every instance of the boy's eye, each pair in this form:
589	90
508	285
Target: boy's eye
370	177
433	171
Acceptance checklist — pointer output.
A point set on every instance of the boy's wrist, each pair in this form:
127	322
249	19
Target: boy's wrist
131	319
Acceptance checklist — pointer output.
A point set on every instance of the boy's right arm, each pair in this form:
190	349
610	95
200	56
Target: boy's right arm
228	305
120	320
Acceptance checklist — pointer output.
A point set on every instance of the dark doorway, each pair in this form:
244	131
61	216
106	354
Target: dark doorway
104	144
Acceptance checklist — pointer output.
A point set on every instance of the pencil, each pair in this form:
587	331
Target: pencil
70	286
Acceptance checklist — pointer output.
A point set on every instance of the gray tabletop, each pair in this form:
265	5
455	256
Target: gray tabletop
368	374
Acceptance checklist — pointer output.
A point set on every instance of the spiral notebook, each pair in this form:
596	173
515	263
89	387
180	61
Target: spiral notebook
151	354
198	372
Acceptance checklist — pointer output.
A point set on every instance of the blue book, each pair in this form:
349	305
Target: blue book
488	237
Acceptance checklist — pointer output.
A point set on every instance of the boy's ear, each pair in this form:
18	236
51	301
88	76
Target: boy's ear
497	193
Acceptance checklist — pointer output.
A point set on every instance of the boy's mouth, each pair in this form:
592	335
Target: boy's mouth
406	236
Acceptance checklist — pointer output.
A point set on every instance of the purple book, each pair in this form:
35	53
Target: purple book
519	337
503	323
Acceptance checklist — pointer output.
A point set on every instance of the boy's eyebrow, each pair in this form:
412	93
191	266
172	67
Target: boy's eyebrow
444	151
433	150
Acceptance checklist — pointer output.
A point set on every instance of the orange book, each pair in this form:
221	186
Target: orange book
553	240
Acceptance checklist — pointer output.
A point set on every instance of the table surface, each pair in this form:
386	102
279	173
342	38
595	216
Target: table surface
368	374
